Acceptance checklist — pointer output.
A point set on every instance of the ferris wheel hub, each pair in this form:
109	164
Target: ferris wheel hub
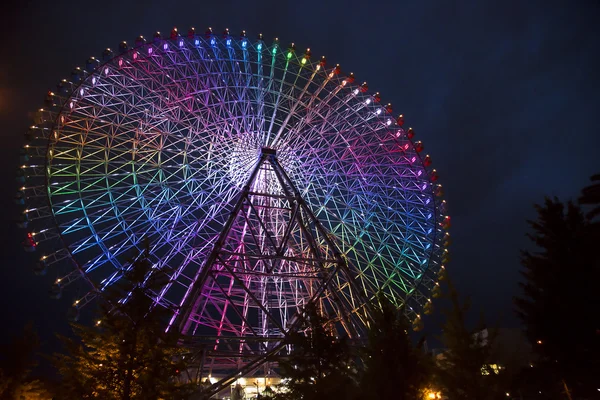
268	151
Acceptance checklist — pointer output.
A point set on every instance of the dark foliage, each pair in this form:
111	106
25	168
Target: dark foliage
467	370
393	367
320	365
387	365
128	354
559	299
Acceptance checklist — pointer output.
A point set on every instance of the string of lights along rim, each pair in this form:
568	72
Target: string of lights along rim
263	178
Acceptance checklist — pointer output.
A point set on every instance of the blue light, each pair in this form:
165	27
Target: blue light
429	216
259	47
197	42
244	44
228	42
429	231
212	42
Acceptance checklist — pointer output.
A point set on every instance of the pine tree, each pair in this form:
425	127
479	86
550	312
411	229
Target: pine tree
320	366
559	302
393	367
127	355
465	370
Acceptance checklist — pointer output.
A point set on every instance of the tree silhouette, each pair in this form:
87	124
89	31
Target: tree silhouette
466	369
128	354
320	366
393	367
559	297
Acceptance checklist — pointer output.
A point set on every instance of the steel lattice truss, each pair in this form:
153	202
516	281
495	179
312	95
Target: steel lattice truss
159	141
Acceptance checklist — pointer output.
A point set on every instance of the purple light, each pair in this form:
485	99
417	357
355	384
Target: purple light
165	46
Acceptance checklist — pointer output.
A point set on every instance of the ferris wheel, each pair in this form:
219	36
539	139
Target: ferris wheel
263	178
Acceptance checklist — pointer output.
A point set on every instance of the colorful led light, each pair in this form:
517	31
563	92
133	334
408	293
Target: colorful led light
157	152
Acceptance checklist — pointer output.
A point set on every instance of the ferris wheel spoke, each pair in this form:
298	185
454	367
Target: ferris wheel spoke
241	85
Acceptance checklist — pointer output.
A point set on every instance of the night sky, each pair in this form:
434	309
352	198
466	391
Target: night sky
505	96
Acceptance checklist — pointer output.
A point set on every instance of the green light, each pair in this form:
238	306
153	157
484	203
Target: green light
303	61
289	55
274	50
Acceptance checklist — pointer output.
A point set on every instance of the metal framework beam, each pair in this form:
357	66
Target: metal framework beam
247	260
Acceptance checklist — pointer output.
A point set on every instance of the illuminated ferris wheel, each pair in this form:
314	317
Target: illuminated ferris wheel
264	179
